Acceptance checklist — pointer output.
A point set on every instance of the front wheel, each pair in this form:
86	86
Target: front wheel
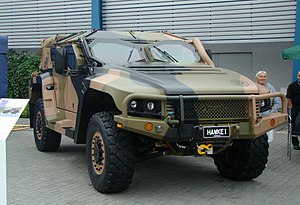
109	154
244	160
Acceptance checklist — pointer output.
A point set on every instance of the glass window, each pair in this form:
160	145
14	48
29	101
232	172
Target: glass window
175	51
122	52
117	52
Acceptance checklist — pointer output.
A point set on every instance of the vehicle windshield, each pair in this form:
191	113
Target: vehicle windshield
175	51
123	52
116	51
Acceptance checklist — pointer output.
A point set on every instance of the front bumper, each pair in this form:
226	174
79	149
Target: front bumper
254	126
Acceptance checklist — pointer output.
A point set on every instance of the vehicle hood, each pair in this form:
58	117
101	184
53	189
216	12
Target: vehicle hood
179	79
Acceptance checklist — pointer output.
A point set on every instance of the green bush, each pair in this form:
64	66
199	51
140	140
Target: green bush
20	67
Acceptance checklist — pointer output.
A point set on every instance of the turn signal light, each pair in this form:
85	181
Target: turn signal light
148	126
272	122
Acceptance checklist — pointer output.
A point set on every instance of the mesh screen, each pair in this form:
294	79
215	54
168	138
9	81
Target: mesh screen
215	109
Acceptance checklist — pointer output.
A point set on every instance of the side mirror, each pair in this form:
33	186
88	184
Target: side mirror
209	53
61	60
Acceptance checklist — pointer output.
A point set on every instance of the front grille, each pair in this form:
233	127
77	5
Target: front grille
210	110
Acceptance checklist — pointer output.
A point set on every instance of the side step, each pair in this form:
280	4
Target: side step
62	126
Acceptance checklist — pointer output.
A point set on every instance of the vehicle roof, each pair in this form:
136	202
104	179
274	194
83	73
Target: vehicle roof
133	35
122	35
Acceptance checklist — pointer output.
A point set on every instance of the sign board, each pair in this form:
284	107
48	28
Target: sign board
10	111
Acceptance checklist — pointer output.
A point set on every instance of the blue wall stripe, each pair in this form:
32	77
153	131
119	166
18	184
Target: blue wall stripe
3	69
296	67
96	14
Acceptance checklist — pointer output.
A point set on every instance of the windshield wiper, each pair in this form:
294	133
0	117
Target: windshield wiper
130	54
166	54
132	34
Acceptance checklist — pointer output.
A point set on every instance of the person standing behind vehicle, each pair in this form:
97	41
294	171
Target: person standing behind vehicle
275	104
293	97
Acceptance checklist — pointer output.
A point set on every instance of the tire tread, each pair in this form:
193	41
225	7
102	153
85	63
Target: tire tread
244	160
121	156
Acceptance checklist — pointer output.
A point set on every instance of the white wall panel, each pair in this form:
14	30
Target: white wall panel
222	21
26	22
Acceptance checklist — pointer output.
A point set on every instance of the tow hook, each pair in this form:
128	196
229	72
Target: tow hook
205	149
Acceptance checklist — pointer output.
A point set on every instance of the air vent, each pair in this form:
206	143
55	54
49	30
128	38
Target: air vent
170	107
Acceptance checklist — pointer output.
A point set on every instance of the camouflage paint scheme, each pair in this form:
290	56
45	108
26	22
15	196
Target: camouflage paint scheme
71	98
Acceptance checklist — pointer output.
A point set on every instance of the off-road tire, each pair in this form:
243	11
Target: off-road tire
46	140
244	160
109	154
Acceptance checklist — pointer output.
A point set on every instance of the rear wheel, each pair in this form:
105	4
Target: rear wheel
109	154
45	138
244	160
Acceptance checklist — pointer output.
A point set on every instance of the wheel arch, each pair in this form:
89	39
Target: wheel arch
93	101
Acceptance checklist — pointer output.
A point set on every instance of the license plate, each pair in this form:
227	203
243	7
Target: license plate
216	132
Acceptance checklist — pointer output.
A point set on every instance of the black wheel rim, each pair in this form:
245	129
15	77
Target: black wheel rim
39	125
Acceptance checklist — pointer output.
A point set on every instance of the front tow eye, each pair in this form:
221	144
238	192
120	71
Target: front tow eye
205	149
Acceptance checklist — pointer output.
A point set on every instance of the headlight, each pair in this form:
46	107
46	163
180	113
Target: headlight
133	104
150	106
145	108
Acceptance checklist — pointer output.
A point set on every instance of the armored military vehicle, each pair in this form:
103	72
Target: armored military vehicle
130	95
